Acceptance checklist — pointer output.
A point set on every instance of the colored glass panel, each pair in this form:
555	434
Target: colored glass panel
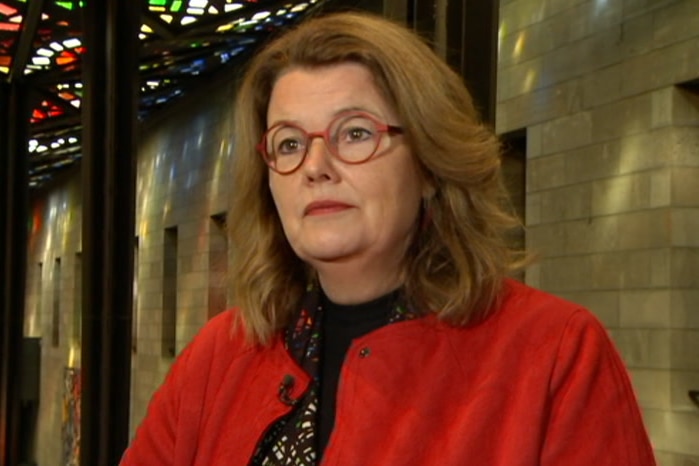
47	109
58	41
69	92
51	152
181	40
11	16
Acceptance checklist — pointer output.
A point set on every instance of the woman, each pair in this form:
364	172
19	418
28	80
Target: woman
375	324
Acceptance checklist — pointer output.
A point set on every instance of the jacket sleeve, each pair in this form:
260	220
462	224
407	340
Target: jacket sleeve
154	443
594	417
169	433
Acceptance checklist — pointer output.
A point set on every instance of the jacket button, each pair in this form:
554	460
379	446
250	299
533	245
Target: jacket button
364	352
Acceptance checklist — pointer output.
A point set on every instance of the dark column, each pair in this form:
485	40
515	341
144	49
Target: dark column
108	182
421	16
4	248
14	179
468	39
472	34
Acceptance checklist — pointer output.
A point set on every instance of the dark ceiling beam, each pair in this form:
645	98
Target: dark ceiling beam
55	155
55	124
49	170
165	71
53	76
26	39
153	46
53	133
152	21
180	57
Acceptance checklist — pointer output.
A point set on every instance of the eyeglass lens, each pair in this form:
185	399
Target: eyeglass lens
352	138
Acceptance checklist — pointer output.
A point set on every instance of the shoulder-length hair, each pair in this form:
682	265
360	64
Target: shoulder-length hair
457	263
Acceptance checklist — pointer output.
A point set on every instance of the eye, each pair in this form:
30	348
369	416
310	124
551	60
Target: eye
357	134
287	140
356	129
287	146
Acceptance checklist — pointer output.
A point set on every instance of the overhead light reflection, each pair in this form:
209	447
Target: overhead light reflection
519	45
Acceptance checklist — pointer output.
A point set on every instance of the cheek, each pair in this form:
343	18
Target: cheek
399	205
405	194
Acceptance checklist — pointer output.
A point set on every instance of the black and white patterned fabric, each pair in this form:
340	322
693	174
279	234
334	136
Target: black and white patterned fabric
292	440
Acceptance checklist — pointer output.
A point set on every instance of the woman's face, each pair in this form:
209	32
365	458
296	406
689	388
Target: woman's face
333	212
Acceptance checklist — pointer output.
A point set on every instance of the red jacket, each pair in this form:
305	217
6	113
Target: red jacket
537	383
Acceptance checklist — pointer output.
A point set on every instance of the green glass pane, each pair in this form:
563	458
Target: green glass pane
66	5
176	6
158	2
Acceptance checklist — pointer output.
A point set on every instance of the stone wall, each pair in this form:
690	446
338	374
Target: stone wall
605	93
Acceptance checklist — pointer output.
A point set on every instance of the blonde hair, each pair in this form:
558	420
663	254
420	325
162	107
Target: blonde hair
457	263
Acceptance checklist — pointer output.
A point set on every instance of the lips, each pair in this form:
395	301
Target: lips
325	207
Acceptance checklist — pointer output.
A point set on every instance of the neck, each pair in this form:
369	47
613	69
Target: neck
350	283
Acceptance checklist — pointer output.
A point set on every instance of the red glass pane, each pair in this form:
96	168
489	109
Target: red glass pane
66	58
7	10
38	115
9	27
65	95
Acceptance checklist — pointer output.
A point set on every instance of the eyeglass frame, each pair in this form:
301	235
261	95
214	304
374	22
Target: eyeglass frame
381	127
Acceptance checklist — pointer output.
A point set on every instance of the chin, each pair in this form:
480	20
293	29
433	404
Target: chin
323	257
327	246
317	254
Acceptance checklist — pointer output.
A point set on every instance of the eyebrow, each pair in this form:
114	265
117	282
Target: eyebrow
335	114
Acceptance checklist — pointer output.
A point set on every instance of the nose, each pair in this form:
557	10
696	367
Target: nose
318	164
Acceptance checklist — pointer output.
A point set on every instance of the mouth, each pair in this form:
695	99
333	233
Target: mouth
325	208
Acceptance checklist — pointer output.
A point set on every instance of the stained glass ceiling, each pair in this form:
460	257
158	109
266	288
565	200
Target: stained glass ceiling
183	43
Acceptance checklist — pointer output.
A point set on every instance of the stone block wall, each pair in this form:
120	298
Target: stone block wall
612	202
55	235
182	178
